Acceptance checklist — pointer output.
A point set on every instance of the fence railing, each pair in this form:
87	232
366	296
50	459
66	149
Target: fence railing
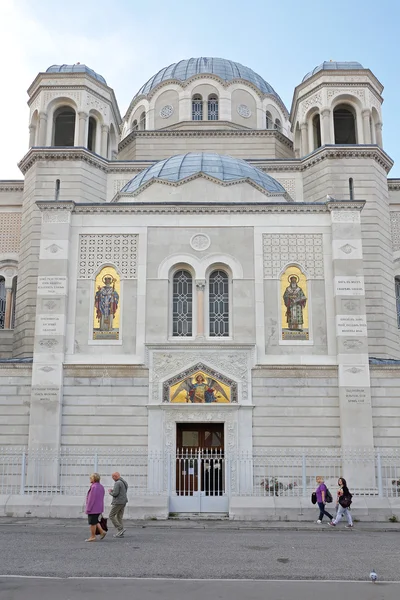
286	473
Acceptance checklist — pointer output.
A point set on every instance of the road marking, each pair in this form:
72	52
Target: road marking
175	579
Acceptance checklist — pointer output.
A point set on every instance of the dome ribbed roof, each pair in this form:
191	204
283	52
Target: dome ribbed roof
78	68
330	65
224	168
226	69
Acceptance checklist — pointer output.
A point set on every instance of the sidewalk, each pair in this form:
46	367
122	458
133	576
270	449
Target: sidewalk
212	523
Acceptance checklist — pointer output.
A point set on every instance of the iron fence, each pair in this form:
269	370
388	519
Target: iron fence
285	473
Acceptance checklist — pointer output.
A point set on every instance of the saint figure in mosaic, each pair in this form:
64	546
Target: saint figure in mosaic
295	302
200	390
106	301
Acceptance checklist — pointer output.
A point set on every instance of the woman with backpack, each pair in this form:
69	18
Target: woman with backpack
321	494
343	504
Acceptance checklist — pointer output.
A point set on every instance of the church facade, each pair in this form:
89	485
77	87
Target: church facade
209	276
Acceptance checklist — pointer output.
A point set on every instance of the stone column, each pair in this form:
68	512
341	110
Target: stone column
200	287
304	139
325	126
42	129
366	114
82	129
7	316
378	129
352	342
104	139
50	332
32	135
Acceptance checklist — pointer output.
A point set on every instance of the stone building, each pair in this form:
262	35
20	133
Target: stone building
211	247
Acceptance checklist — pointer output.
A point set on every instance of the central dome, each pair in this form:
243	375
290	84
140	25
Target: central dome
218	166
225	69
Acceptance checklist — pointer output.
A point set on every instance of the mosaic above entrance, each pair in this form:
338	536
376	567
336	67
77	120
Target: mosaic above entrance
200	385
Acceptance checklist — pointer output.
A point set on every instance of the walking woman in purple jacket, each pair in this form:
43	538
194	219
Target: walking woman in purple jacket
95	507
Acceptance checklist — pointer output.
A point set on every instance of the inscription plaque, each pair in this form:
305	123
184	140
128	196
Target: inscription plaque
349	286
51	285
50	325
351	325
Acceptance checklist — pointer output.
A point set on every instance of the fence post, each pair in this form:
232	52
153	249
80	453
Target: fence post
23	469
96	463
379	471
304	476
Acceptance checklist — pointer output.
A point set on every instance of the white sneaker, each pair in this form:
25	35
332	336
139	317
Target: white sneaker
319	521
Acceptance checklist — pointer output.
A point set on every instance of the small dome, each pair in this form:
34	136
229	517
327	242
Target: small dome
78	68
226	69
330	65
224	168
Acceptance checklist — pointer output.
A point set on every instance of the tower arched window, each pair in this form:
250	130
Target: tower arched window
92	134
142	121
197	108
344	123
135	125
278	125
397	291
2	302
316	123
213	108
218	290
64	127
269	124
182	304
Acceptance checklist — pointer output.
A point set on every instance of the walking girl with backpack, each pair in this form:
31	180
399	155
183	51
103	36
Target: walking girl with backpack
343	504
322	496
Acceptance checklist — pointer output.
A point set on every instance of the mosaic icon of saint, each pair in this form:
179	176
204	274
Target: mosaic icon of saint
295	302
201	390
106	303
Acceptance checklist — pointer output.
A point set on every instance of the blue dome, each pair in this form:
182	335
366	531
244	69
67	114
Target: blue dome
330	65
78	68
226	69
224	168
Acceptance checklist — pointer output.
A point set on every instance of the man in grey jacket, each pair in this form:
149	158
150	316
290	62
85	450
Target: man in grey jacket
118	503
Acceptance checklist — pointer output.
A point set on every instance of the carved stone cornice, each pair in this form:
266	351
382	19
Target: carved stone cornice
339	152
68	205
12	185
208	133
345	205
37	154
394	184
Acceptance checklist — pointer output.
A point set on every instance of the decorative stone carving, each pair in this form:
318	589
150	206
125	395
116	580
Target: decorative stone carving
200	416
54	248
119	250
351	91
201	284
92	102
64	93
395	225
352	344
200	242
289	183
351	305
347	248
305	249
345	216
314	100
52	216
244	111
167	111
48	343
10	230
119	184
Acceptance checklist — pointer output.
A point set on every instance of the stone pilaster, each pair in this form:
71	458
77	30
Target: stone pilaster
50	330
352	339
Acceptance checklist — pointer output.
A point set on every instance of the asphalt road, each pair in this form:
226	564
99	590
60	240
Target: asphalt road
132	589
49	549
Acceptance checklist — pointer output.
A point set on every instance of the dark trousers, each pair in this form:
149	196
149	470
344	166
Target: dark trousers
323	512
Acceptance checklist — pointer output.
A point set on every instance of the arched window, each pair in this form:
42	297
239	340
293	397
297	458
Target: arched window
182	304
269	124
2	302
397	290
219	304
92	134
64	127
316	122
213	108
345	125
135	125
278	125
142	121
197	108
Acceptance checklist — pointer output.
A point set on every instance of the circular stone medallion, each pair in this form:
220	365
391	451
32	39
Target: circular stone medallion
200	241
166	111
244	111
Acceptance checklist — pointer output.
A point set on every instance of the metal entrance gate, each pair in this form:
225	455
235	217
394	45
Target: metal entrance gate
200	478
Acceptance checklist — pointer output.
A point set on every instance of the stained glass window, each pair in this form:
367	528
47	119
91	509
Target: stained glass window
197	108
213	108
219	304
182	304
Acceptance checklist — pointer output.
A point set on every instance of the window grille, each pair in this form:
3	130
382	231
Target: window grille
268	120
213	108
182	304
197	108
2	302
278	125
219	304
142	123
397	288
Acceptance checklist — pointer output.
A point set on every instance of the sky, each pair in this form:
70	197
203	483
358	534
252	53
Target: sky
127	41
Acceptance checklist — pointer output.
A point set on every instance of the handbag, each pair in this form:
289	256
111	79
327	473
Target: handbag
345	501
314	498
103	523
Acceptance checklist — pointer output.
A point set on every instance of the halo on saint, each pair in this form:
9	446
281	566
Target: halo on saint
295	277
108	276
